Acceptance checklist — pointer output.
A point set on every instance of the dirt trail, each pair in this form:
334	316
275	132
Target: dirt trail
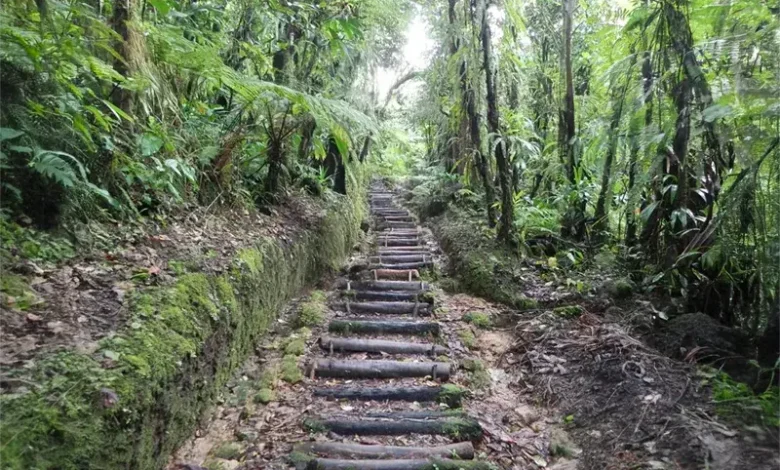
402	376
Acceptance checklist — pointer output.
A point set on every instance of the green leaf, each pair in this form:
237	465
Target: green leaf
149	144
7	133
717	111
648	211
118	112
162	6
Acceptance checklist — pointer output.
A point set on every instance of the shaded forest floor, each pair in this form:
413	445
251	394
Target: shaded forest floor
74	303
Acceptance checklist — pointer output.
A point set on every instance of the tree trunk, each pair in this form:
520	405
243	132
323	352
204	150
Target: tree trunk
647	98
506	227
275	167
604	201
123	15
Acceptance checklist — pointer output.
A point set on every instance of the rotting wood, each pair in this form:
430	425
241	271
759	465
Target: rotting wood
455	428
380	346
399	464
449	394
361	326
381	369
459	450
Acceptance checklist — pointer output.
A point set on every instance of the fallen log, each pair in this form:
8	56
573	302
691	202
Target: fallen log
392	308
456	428
383	285
380	346
400	464
449	394
361	326
336	368
460	450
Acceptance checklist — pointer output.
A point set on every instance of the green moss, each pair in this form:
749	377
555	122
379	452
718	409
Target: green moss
312	312
295	346
269	376
291	373
227	451
451	395
478	375
427	297
478	319
467	338
182	343
17	293
568	311
265	396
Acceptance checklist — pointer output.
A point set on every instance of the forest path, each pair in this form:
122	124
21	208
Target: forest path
402	376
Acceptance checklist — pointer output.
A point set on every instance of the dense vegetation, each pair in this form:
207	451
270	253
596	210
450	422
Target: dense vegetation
645	129
113	110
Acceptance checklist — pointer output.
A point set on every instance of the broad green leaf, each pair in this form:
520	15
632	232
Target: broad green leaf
149	144
7	133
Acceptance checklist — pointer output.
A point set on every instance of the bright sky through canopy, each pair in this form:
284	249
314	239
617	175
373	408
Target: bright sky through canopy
416	53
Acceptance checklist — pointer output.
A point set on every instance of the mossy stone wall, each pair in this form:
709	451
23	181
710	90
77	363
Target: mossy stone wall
141	395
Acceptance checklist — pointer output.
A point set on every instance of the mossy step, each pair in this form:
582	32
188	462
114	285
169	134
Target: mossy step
459	450
383	285
379	369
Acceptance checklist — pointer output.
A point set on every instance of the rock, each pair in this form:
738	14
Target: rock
527	414
563	464
246	434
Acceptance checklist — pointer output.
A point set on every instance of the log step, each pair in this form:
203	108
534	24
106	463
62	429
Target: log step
413	258
384	285
398	242
404	252
345	369
432	463
388	296
401	265
460	450
396	218
366	326
380	346
391	224
393	308
459	428
449	394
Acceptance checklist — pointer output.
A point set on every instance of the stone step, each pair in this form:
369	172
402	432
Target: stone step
338	344
379	369
362	325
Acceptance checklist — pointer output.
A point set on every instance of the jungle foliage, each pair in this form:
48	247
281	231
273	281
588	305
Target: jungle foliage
126	108
647	129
